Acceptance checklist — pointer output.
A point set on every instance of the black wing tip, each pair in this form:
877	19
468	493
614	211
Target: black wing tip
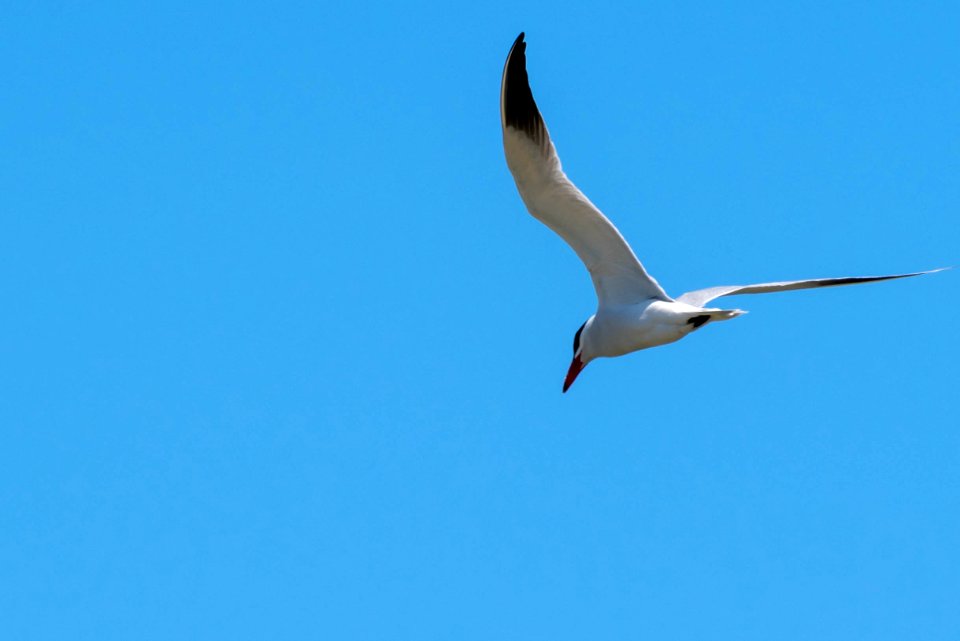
856	280
519	108
518	52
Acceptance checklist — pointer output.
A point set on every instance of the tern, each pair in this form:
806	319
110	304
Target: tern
633	311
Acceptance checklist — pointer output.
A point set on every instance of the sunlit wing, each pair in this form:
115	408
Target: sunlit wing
617	274
701	297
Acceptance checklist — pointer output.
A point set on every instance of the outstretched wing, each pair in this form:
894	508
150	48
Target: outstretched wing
701	297
617	275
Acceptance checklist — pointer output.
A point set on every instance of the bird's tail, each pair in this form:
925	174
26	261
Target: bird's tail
724	314
701	318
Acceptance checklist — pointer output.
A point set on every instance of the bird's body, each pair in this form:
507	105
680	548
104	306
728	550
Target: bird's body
633	311
621	329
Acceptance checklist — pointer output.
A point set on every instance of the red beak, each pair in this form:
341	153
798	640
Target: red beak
575	368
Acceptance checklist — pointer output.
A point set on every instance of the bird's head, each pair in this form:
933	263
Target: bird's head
582	354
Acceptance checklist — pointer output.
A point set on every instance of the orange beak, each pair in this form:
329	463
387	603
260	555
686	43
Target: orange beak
575	368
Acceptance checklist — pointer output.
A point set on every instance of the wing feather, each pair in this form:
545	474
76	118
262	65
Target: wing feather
617	274
701	297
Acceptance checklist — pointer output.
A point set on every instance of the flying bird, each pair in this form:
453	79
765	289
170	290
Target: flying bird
633	311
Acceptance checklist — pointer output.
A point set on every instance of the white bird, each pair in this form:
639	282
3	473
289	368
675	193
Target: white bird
633	311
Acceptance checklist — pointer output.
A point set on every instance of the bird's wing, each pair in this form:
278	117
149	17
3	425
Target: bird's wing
701	297
617	275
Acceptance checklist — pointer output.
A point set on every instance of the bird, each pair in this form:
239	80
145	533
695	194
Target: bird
633	310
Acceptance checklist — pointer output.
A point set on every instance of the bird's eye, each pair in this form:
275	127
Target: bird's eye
576	340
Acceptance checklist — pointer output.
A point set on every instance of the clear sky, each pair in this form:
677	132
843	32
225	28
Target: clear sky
281	351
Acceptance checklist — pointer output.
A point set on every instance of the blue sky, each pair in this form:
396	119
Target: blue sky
282	351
